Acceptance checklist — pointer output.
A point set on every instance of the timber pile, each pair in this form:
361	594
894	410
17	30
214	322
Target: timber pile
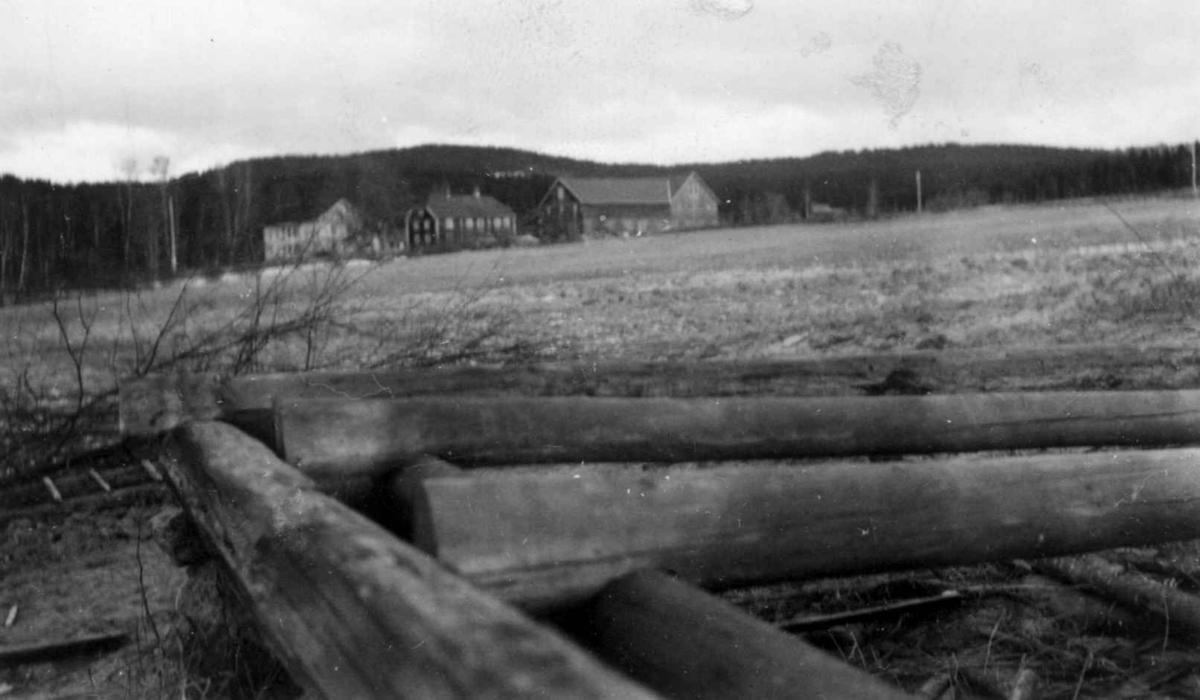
457	604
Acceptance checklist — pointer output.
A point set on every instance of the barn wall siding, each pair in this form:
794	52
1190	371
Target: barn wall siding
625	219
694	205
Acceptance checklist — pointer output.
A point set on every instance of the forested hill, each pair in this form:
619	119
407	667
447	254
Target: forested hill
116	233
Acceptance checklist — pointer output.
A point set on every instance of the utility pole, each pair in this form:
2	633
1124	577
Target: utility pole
171	224
918	191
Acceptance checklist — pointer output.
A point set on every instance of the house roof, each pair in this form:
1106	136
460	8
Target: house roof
343	211
466	206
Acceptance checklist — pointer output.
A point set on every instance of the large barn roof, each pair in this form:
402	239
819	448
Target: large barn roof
625	190
619	190
466	206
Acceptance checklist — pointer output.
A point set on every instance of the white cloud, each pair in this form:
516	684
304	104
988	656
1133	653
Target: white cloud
89	151
82	83
92	151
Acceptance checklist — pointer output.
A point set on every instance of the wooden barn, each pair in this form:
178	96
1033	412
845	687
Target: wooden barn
449	222
576	207
339	232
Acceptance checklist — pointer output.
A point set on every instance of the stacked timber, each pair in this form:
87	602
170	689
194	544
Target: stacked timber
628	518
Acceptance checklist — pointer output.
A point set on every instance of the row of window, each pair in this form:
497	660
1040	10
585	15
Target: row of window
286	251
302	233
498	222
479	223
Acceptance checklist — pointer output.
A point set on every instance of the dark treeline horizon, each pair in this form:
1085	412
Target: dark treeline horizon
118	234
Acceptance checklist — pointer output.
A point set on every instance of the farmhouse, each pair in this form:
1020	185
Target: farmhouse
575	207
339	232
459	221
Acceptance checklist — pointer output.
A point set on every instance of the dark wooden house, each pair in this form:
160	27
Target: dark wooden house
577	207
450	222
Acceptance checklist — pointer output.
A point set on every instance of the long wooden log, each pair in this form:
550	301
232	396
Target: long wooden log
351	610
158	403
545	538
685	643
1178	611
408	496
330	435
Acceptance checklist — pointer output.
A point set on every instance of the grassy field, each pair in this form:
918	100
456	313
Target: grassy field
993	276
996	276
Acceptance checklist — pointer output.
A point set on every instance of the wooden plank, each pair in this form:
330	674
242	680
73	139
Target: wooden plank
151	470
336	436
32	491
545	538
351	610
49	484
153	404
875	613
51	651
99	480
141	494
684	643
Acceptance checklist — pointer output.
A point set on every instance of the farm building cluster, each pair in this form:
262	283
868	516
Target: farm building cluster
572	208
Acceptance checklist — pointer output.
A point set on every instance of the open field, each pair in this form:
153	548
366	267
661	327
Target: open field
989	278
983	278
986	277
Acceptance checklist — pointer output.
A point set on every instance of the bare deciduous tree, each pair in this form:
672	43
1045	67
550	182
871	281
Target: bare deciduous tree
129	168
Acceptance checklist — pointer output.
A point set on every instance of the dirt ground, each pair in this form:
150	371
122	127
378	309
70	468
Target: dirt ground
1018	281
84	573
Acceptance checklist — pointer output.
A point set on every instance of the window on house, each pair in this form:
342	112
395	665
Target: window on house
470	224
449	223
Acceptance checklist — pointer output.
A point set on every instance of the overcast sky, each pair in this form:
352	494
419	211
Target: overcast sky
87	86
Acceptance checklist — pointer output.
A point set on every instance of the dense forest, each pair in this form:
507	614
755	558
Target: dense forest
152	225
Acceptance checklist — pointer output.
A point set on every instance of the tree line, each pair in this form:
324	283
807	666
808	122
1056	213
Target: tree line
149	224
882	182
